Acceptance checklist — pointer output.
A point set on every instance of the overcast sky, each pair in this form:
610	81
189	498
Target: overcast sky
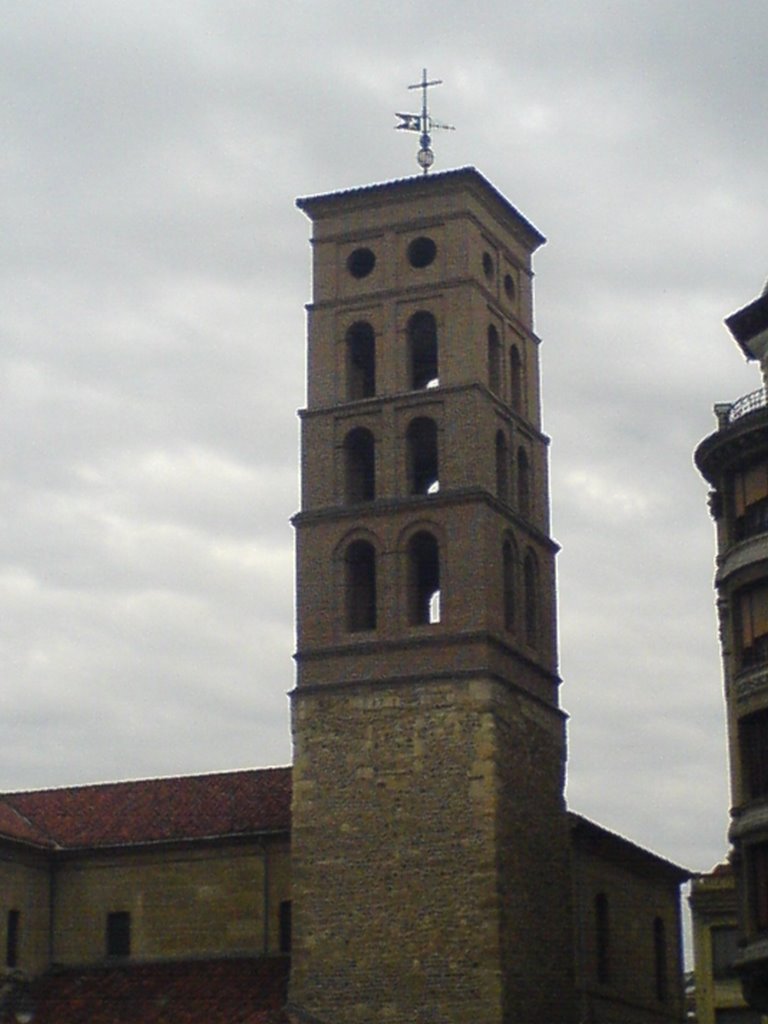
154	274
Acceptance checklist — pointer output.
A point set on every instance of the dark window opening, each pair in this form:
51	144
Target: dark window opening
422	348
361	262
509	287
523	484
660	959
516	379
751	625
753	743
502	467
725	949
602	939
750	496
359	466
119	933
531	588
421	447
488	265
423	580
757	862
285	926
509	570
12	939
360	586
361	361
421	252
753	521
494	360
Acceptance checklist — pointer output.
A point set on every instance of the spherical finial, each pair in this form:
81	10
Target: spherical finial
426	158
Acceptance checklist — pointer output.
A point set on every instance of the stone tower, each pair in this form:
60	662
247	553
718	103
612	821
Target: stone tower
734	460
429	843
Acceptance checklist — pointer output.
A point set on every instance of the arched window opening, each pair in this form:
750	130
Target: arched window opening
502	467
359	466
422	350
361	361
360	586
509	570
531	588
602	939
523	484
423	580
516	379
421	445
494	360
660	959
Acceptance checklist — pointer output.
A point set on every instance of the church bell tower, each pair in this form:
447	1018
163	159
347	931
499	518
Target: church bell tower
429	839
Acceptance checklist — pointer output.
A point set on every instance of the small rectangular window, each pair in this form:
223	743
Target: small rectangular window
118	933
285	926
12	939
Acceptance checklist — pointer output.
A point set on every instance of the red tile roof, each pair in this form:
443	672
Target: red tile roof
232	991
151	810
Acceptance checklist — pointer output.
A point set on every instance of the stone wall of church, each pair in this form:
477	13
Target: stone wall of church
182	902
24	891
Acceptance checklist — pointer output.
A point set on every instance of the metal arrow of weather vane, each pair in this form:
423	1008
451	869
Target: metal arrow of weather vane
423	123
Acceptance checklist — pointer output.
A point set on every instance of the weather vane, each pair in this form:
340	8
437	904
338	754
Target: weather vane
423	123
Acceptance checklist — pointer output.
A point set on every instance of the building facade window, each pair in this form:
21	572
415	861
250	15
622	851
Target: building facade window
502	467
602	939
359	466
509	579
531	591
285	926
494	360
423	580
516	384
660	959
523	484
360	586
753	746
757	876
422	459
422	351
750	496
751	625
13	925
118	938
361	361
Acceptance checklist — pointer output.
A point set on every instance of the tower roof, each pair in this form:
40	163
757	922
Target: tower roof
470	178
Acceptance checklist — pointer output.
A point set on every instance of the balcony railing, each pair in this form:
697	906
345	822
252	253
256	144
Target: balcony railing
748	403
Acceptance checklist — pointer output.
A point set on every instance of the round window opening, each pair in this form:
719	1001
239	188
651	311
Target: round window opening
509	286
487	265
422	252
361	262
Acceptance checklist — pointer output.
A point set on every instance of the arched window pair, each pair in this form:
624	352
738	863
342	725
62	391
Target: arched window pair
422	583
421	461
421	341
522	476
530	591
516	377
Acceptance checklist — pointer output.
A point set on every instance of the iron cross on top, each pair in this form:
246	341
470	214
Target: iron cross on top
423	123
